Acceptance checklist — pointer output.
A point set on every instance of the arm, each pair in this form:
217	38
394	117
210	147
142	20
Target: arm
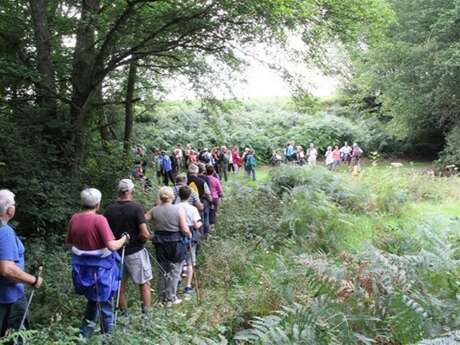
113	245
148	216
197	224
144	233
183	224
10	271
199	205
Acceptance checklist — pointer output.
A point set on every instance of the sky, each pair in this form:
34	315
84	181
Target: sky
258	80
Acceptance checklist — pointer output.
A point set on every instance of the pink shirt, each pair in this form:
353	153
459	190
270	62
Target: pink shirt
89	231
216	187
336	155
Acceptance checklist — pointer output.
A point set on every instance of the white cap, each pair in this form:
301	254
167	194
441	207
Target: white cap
125	185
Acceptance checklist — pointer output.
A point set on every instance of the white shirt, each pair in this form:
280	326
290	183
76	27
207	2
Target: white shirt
191	213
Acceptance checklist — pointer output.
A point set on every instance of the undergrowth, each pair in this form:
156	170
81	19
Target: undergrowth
288	264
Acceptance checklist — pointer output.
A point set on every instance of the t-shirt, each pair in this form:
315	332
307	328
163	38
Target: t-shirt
191	213
126	216
89	231
194	197
165	217
11	249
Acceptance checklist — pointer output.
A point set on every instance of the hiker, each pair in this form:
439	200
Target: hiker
345	153
216	194
95	262
13	303
127	216
236	158
329	158
155	159
179	153
222	163
336	156
166	168
170	234
312	153
356	155
181	180
194	223
250	164
200	185
300	155
138	172
205	157
290	152
230	166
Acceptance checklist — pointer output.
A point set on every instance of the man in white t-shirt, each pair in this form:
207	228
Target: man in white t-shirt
193	219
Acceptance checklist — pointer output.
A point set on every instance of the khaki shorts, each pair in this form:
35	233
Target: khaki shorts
138	267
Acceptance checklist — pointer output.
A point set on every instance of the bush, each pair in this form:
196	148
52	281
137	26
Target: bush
345	194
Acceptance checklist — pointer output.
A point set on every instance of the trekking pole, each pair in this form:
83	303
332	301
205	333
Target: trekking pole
195	279
117	305
24	317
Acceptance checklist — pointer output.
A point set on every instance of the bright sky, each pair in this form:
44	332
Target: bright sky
258	80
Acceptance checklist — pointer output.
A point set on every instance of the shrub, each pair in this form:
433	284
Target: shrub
345	194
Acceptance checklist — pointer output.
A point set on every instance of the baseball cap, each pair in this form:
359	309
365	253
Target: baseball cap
125	185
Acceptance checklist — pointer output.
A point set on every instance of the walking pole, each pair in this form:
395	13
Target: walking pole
117	305
195	279
24	317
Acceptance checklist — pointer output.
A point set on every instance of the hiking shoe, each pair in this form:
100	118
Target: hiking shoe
188	291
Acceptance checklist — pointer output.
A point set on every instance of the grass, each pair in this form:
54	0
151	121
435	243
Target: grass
246	267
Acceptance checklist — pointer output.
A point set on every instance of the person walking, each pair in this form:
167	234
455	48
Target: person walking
312	154
345	153
250	164
216	194
13	303
95	262
236	158
194	223
170	231
356	155
166	168
127	216
222	162
336	156
329	158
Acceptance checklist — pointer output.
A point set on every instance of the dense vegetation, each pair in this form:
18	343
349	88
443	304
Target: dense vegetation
304	257
307	257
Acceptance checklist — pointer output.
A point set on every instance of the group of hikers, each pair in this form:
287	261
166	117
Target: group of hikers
167	165
108	249
346	155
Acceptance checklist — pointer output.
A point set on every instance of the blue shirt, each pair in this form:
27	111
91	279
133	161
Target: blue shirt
11	249
165	163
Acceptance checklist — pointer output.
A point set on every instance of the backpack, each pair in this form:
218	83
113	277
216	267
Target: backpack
250	162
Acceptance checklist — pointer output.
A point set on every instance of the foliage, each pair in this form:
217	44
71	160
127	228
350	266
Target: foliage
396	82
264	126
339	189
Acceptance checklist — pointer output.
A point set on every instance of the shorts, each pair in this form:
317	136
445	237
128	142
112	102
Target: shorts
191	255
138	267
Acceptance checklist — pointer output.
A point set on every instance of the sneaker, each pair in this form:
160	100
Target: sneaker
177	301
188	291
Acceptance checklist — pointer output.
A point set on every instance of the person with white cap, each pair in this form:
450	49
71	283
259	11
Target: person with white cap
127	216
13	303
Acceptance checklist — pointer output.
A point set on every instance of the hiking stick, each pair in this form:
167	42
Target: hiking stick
117	305
195	279
24	317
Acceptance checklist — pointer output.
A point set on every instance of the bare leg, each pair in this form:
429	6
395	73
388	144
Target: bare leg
189	275
146	299
123	301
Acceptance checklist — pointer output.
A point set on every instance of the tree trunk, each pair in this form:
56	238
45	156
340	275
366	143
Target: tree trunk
129	106
47	86
84	85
